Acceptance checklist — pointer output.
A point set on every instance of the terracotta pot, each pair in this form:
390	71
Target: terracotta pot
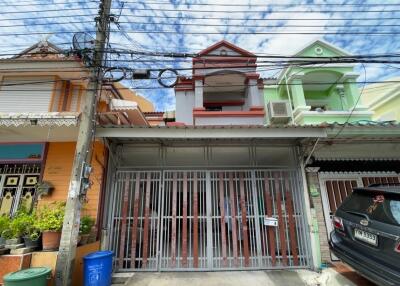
51	240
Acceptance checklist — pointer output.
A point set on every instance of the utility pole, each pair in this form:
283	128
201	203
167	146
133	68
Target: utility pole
80	169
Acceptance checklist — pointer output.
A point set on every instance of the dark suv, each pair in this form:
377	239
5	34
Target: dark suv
366	233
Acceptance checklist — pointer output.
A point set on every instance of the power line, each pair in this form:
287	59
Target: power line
261	11
217	86
177	55
266	5
257	26
208	18
260	19
46	11
50	23
25	3
47	17
265	33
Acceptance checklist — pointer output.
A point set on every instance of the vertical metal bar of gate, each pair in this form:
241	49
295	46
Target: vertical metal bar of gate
258	218
209	222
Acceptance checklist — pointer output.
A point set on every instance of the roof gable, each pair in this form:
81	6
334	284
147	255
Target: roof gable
321	48
229	48
41	49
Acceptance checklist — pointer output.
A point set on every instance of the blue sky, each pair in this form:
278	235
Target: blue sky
139	19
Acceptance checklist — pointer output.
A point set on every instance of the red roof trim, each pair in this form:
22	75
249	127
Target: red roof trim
228	45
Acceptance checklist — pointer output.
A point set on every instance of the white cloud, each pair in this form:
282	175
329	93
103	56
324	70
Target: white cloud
182	40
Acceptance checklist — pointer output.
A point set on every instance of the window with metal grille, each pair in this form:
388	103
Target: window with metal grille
17	186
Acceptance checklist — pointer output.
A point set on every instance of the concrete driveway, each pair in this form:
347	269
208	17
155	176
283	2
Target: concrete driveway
328	277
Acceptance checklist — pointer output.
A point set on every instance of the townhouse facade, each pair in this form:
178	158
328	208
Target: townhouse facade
362	143
246	176
215	190
41	95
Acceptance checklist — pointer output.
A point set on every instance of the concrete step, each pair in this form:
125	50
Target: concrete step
14	246
22	250
121	278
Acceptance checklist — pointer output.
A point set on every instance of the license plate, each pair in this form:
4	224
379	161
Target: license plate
365	236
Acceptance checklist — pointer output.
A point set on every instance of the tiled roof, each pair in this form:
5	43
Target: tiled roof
363	123
358	124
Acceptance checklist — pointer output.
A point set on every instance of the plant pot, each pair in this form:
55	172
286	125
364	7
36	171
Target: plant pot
84	238
51	240
13	241
32	243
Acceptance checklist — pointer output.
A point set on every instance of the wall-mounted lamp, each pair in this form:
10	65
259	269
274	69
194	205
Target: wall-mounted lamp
44	188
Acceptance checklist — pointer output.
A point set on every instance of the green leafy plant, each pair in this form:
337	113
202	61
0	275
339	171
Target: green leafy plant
28	223
50	217
86	225
34	234
16	226
4	224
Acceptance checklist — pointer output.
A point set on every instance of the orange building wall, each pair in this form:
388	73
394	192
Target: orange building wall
58	172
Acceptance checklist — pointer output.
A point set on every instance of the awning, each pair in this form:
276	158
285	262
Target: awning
123	112
210	132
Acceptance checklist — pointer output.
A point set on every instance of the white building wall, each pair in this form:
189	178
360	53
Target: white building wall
184	106
229	120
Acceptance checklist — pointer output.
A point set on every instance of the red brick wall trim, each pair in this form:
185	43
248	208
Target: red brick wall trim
257	108
224	103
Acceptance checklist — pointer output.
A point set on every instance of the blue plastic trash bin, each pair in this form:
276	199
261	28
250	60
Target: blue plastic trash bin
97	268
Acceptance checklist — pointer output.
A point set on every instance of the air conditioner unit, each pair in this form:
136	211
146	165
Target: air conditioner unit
279	112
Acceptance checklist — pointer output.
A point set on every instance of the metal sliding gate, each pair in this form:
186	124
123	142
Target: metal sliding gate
208	220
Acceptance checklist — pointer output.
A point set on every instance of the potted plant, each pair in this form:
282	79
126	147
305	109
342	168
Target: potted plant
31	234
49	221
4	224
32	238
85	228
14	230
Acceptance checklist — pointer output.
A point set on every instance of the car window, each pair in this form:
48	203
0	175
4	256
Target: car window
383	207
395	209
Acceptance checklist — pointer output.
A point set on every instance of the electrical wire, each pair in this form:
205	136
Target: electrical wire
46	10
261	11
256	26
264	5
214	86
380	33
191	18
25	3
47	17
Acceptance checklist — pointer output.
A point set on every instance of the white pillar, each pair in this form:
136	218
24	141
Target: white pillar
253	94
198	93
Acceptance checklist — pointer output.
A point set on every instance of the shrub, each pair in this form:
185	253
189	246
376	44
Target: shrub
86	225
4	224
50	217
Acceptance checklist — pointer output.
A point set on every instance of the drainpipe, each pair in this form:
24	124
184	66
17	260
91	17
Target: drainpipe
317	245
290	99
313	233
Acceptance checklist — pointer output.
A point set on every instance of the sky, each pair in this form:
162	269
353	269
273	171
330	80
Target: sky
193	25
